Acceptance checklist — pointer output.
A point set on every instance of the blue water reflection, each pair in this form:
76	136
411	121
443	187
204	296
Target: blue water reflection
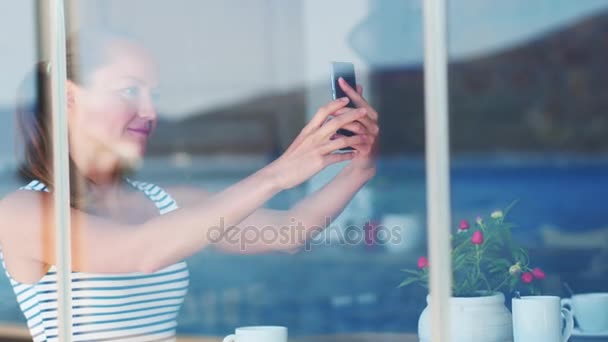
352	288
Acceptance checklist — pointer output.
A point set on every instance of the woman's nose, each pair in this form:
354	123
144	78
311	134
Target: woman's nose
147	108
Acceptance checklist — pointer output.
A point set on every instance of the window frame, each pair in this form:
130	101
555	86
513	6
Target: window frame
437	165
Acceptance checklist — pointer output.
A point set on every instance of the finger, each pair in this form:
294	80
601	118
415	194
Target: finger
343	111
356	127
370	125
362	148
326	110
338	112
360	90
338	157
334	124
358	101
343	141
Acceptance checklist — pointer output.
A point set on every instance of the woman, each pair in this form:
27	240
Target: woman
129	238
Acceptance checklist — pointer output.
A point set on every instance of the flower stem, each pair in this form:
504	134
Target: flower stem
501	284
479	273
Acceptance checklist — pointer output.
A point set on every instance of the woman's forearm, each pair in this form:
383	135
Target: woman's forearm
197	226
269	230
319	209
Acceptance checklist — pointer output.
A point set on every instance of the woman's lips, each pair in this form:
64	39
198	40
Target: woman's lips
142	131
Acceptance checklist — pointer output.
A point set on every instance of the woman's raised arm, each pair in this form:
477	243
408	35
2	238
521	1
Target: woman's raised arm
105	246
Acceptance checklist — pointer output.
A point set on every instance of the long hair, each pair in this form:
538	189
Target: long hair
85	52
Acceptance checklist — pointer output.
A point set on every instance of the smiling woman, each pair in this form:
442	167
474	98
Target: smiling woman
111	86
130	237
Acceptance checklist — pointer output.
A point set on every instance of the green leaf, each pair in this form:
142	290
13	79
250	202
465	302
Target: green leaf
407	282
412	272
509	207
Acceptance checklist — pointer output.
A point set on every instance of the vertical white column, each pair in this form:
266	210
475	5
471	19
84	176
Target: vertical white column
61	172
437	166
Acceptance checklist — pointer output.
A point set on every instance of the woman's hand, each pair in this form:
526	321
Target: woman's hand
365	159
312	149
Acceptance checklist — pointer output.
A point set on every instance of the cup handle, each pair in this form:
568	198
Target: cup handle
569	324
229	338
567	302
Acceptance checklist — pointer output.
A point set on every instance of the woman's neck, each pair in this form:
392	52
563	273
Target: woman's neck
100	182
103	195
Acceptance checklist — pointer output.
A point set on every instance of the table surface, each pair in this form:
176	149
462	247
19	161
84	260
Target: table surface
360	337
363	337
15	333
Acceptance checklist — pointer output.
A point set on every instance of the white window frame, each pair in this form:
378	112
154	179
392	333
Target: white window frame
52	21
437	166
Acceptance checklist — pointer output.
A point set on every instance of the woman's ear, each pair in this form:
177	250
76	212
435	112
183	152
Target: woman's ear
71	89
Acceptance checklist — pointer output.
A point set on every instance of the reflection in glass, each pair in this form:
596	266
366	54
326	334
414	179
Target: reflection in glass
526	125
232	87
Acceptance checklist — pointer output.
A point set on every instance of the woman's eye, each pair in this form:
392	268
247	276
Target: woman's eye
130	92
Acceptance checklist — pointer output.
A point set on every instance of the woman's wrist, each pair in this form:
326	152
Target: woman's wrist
361	174
270	176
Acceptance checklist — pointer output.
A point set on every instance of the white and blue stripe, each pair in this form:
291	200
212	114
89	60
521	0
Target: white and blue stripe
109	307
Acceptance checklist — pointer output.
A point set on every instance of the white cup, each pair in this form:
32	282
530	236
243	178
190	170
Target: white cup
590	311
258	334
541	318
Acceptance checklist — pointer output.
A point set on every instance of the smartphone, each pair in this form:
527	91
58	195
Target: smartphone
345	70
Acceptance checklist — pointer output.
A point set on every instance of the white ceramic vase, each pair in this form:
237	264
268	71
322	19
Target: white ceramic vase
473	319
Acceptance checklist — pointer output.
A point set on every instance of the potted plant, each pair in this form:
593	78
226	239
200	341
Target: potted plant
486	264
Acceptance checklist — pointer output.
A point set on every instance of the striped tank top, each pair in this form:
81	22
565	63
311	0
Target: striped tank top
109	307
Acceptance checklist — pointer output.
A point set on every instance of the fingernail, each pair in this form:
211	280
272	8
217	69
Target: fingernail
344	99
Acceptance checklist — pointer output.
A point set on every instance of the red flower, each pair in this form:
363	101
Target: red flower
477	238
538	273
423	263
527	277
464	225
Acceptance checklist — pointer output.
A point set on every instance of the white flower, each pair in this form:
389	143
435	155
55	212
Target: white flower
515	269
497	215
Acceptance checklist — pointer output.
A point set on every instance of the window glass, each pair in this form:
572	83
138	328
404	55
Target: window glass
527	128
190	99
17	87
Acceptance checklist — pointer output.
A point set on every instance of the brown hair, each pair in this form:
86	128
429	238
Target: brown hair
84	53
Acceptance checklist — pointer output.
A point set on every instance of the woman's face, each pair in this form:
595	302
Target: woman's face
113	113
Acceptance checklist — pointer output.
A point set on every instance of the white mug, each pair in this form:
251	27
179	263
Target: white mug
541	318
590	311
259	333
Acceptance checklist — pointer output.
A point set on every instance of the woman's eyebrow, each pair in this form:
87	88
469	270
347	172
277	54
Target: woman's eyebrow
140	81
133	78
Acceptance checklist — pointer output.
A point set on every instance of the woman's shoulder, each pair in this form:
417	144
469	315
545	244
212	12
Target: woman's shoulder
24	194
25	197
20	208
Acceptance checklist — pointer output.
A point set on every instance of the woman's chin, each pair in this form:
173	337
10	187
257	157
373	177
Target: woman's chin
131	154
